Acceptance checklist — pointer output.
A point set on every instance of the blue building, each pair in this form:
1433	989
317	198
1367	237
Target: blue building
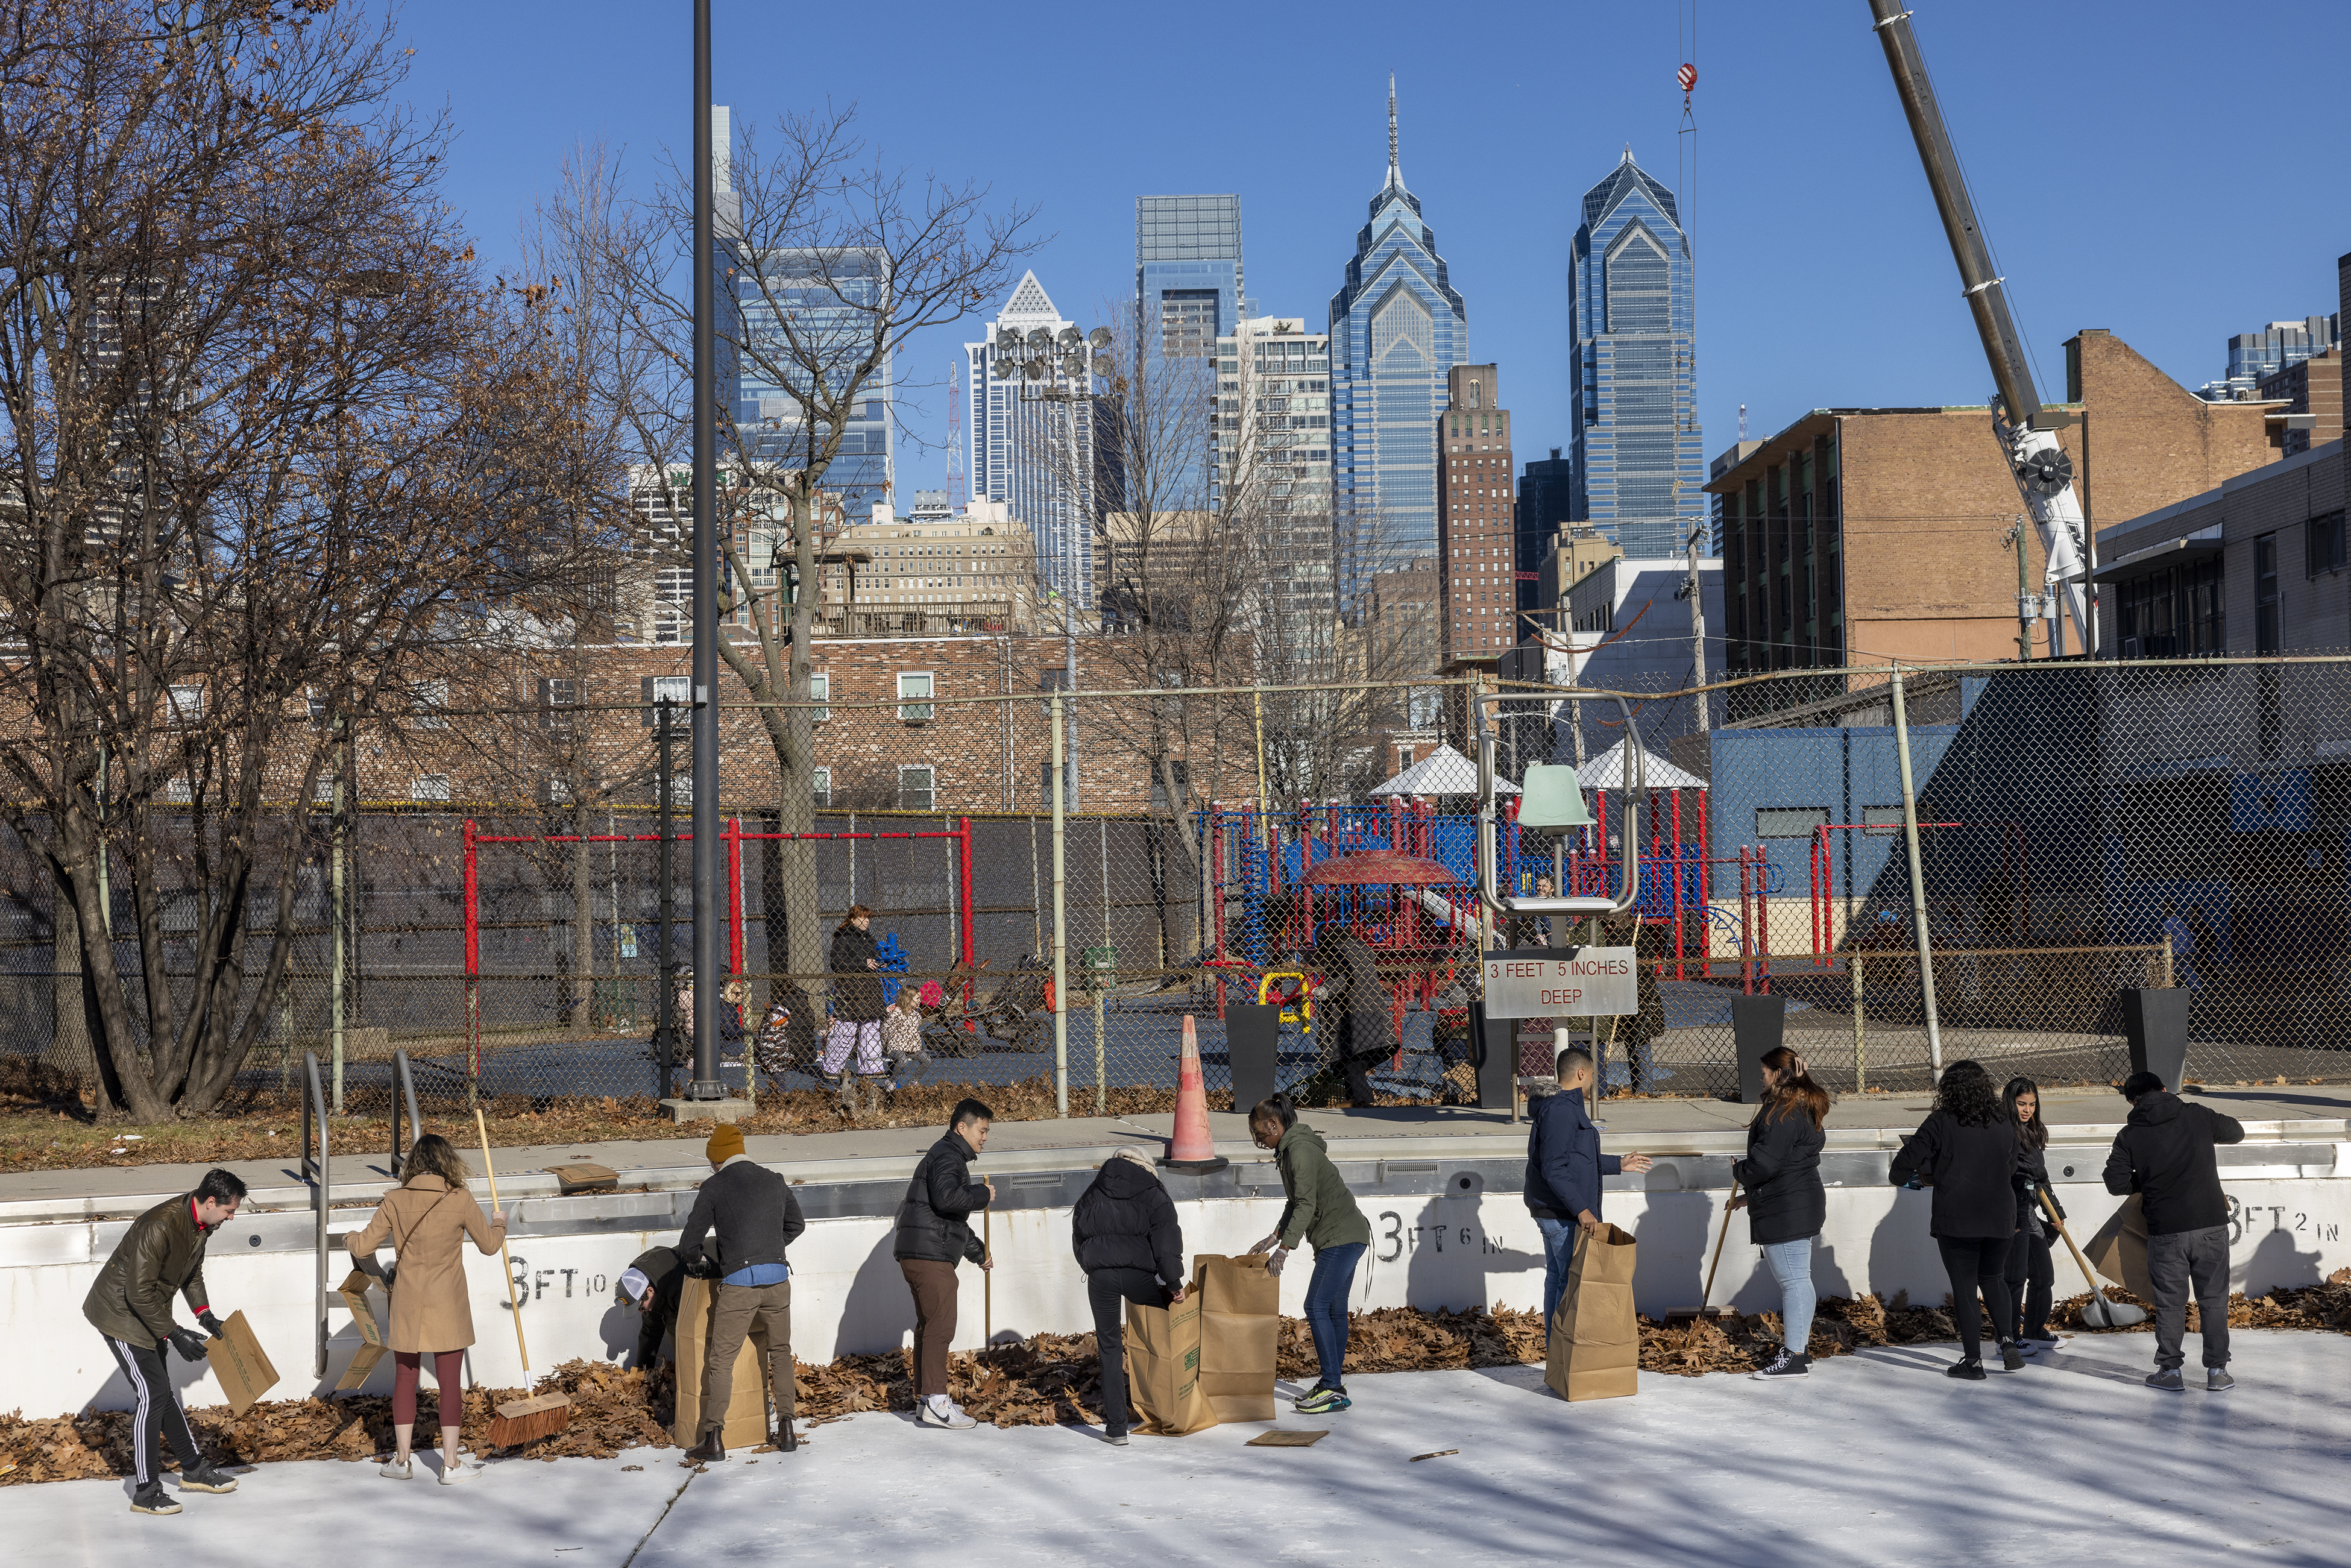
1187	272
1639	455
1398	327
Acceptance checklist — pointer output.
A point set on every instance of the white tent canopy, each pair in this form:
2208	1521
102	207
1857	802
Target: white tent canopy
1443	771
1606	771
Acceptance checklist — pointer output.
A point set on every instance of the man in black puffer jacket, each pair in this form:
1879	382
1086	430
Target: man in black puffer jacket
933	1236
2164	1154
1127	1239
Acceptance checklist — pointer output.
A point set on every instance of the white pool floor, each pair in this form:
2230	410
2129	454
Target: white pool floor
1878	1459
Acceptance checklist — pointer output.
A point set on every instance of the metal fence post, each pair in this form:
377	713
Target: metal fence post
1061	927
1918	881
473	970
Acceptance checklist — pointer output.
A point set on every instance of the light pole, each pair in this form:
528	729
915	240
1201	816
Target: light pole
705	1084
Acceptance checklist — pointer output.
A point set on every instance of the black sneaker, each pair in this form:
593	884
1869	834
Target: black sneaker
207	1476
1787	1364
152	1499
1968	1368
2010	1358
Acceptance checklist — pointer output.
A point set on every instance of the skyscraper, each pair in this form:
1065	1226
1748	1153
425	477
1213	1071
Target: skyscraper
783	310
1476	525
1397	326
1546	489
1033	414
1639	455
1188	271
1274	457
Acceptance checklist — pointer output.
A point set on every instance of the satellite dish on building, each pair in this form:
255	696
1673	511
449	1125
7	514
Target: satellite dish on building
1099	337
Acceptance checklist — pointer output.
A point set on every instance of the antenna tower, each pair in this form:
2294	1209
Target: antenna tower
957	485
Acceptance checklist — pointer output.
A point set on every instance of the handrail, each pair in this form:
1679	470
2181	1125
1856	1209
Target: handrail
404	1089
1637	779
314	1104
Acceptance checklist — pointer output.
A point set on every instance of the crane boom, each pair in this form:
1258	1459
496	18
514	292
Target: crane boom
2044	473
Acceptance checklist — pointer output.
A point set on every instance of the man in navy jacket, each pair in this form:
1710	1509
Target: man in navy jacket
1565	1165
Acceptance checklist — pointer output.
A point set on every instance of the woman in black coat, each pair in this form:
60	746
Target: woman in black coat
856	997
1966	1150
2032	1273
1784	1200
1125	1233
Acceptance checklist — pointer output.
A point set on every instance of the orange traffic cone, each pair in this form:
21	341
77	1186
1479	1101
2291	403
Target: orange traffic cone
1192	1148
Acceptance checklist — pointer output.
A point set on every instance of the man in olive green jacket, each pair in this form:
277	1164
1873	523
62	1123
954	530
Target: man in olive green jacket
130	1304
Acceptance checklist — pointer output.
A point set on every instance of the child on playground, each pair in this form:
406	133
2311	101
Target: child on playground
902	1034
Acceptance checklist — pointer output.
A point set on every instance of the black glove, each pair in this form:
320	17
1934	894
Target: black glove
701	1269
212	1323
189	1343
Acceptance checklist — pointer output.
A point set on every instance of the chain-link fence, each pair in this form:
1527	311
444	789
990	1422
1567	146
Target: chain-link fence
2084	831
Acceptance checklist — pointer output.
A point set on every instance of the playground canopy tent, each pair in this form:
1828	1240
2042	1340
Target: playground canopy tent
1367	868
1606	771
1443	771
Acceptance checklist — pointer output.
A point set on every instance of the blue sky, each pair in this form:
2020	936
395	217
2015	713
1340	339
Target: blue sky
2169	171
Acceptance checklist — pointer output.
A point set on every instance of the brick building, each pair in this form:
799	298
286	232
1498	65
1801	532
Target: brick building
1477	522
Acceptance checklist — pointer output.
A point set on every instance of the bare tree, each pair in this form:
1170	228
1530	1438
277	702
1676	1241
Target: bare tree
274	451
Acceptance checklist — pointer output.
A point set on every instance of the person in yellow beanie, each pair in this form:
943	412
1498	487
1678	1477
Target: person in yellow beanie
748	1214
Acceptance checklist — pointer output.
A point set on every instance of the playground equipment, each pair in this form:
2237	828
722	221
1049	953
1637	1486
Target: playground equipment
1563	808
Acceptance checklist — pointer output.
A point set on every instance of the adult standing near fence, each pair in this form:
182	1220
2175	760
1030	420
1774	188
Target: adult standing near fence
1565	1165
856	964
1785	1203
1125	1235
428	1218
131	1303
1322	1212
1966	1150
749	1216
2031	1273
2164	1154
933	1235
1356	1012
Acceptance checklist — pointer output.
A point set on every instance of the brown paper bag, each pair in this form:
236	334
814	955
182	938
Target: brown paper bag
747	1406
237	1359
1595	1341
2119	1249
1240	1326
373	1347
1162	1369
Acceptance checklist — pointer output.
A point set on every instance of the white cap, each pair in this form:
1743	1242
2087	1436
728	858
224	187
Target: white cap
633	1284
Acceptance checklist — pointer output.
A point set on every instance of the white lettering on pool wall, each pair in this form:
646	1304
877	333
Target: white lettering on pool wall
1583	982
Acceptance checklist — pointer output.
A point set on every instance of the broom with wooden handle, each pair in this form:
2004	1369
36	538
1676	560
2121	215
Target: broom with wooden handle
518	1421
1685	1314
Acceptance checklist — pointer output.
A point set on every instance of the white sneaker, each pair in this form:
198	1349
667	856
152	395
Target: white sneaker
463	1470
397	1469
951	1417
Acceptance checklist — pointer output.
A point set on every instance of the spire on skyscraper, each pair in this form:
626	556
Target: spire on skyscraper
1396	171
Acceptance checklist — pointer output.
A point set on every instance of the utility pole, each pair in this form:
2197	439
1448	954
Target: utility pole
2014	539
706	523
1697	595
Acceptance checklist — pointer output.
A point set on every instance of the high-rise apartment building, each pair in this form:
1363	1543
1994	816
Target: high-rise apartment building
1640	459
1546	503
1397	326
1272	443
1477	517
2254	356
1187	272
1032	433
794	317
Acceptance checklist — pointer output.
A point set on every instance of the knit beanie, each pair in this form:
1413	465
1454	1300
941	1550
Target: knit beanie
726	1142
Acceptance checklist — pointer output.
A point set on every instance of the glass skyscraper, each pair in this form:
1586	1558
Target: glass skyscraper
1188	271
1398	327
1033	414
1639	455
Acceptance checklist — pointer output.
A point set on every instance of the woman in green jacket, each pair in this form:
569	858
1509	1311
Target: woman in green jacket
1322	1211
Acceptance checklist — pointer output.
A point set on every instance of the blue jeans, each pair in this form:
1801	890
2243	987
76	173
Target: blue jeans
1326	1308
1559	1251
1792	1265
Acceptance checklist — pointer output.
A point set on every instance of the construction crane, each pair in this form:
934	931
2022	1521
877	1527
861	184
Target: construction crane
2044	473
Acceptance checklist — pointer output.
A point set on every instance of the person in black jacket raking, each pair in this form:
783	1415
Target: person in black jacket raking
933	1235
1966	1150
2031	1275
750	1215
1127	1239
1785	1203
2164	1154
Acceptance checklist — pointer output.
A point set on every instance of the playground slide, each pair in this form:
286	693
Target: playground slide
1460	919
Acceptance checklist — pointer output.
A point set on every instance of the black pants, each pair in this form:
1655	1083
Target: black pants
1978	1264
1107	1293
2032	1279
155	1409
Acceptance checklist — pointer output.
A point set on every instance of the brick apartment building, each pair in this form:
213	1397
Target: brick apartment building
1477	517
1859	536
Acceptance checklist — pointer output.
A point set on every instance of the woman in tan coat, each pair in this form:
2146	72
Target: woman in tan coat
427	1219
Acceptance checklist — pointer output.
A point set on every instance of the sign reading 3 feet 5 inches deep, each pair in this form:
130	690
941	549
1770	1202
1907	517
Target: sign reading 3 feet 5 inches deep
1560	982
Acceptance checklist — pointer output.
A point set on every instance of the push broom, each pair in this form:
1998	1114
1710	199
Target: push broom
1704	1310
518	1421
